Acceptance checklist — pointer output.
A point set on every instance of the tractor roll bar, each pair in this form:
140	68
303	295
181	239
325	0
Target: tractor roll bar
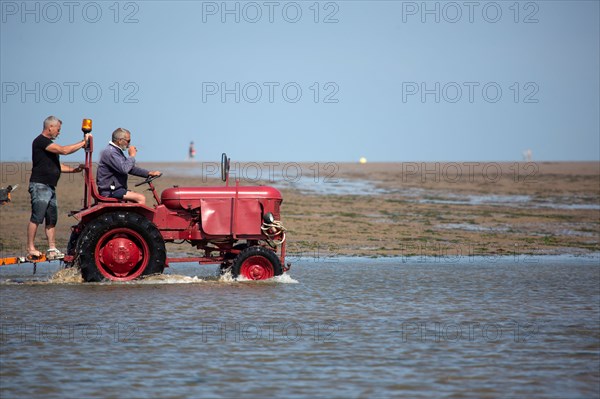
86	127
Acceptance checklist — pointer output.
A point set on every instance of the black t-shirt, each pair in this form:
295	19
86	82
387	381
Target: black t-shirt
46	164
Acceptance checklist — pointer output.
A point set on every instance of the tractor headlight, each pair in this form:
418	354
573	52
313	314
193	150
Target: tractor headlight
269	218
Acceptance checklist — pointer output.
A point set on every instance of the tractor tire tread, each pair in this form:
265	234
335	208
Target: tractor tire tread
256	250
85	250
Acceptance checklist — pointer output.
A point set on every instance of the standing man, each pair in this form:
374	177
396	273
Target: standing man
114	166
42	184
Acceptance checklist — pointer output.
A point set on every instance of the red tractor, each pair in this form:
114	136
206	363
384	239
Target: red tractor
234	226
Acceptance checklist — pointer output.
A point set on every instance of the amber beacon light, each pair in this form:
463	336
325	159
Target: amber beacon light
86	125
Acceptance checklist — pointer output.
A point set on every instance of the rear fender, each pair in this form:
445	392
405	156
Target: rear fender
86	215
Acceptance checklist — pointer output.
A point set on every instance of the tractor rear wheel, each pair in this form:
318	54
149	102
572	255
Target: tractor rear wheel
72	246
256	263
120	246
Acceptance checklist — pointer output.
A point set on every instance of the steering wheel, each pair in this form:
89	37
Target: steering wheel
225	164
148	180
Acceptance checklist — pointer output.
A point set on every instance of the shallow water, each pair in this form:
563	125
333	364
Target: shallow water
519	201
342	327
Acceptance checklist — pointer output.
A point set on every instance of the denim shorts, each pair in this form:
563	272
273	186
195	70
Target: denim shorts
118	193
43	204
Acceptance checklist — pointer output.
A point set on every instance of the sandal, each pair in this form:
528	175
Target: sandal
34	255
54	253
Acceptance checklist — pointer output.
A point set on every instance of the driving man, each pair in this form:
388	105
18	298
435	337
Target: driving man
114	167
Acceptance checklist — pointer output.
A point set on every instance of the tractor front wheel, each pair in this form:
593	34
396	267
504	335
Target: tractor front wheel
256	263
120	246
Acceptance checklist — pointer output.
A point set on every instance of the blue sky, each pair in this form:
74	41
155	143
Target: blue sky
306	80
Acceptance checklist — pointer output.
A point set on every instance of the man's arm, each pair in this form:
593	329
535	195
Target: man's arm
67	149
117	162
67	169
137	171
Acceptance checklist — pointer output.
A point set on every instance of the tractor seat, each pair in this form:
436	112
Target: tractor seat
96	195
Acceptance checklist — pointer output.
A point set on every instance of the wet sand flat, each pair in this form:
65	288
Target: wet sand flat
381	209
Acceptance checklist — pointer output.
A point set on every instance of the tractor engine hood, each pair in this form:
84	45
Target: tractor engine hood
191	197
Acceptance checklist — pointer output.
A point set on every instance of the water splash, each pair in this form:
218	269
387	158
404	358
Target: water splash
168	279
73	276
285	279
69	275
226	277
281	279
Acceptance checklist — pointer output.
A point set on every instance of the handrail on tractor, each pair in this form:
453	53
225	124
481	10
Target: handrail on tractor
90	190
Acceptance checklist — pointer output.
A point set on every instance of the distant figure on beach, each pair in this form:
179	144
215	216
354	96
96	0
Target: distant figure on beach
527	155
192	151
